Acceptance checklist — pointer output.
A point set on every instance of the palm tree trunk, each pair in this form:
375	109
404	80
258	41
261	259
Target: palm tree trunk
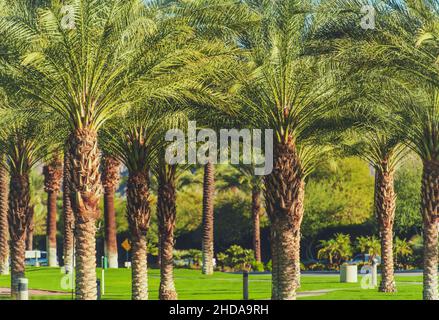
52	184
166	213
299	213
385	203
139	215
430	196
4	233
68	217
20	218
110	180
256	214
283	197
207	221
51	228
30	231
85	195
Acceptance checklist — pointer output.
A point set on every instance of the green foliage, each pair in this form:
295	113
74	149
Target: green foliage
190	258
236	258
338	193
408	219
369	245
402	249
258	266
336	250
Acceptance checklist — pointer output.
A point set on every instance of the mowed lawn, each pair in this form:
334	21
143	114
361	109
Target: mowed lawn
192	285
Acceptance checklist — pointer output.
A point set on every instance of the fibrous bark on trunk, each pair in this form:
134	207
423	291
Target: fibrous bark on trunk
53	173
19	219
385	204
85	194
4	232
29	239
166	213
256	214
283	190
139	215
68	217
299	214
430	215
110	181
208	219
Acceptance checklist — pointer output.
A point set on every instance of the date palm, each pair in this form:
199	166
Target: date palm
23	141
4	232
403	47
112	52
383	147
52	184
68	217
134	145
249	182
289	92
110	180
208	218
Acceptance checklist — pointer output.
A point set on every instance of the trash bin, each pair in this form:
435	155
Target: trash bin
349	273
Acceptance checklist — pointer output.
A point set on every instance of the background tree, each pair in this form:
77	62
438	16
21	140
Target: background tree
110	181
52	172
287	91
23	142
4	232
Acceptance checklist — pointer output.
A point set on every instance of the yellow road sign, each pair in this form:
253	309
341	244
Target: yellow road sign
126	245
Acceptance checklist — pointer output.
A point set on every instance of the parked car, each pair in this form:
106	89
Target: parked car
31	258
364	258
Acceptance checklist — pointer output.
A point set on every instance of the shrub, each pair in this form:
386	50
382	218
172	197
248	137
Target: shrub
188	258
269	266
258	266
236	258
317	267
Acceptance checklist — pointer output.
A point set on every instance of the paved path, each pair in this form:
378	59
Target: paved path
314	293
7	292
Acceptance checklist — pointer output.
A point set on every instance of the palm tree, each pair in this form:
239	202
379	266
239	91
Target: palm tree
382	147
207	221
287	91
166	213
134	145
29	237
402	249
53	172
110	180
86	72
23	141
402	48
68	217
248	181
4	232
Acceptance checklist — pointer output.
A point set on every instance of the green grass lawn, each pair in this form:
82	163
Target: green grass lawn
192	285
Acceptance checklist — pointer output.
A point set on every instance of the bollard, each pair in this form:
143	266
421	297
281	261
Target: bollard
37	263
98	288
23	292
103	282
245	284
375	274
